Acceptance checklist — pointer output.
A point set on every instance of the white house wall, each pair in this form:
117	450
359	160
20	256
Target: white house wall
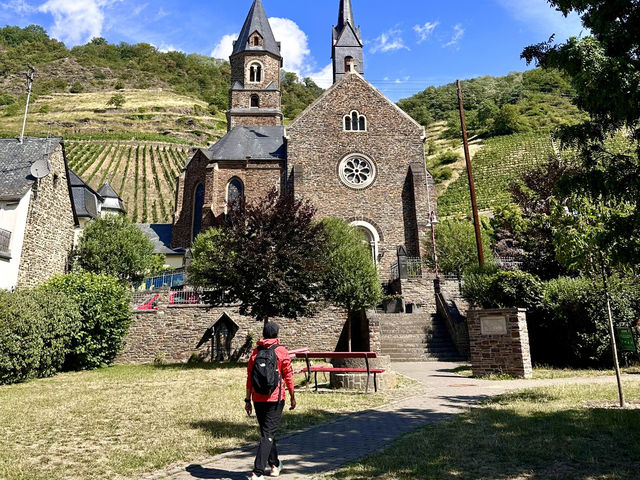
14	219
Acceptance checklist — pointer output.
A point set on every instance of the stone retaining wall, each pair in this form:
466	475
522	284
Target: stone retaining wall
172	333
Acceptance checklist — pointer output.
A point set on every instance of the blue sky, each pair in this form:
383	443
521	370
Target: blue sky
409	44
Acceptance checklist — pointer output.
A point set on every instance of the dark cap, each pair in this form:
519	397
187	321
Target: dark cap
271	330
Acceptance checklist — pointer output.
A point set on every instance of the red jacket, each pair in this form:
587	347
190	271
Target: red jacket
284	367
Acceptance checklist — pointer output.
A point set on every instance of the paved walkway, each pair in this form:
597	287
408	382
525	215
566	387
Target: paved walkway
329	446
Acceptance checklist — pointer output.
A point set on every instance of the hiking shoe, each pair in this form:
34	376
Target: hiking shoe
256	477
275	471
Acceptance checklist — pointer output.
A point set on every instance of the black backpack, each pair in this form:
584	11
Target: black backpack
265	377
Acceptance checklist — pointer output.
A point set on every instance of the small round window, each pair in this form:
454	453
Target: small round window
357	171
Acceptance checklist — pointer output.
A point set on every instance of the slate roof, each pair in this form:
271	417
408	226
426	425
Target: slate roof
15	163
85	198
160	234
256	22
345	17
257	143
107	191
238	85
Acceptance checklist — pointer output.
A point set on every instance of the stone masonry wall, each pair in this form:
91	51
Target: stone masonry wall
503	346
174	332
268	99
317	143
48	237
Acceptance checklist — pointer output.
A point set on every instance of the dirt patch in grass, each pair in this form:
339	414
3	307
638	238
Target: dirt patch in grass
541	434
125	421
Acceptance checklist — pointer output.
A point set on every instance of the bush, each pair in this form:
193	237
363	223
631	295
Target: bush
447	158
441	174
37	330
502	289
105	306
119	85
46	108
77	87
6	99
571	326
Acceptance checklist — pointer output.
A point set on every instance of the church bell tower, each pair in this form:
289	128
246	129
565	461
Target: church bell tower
347	44
255	98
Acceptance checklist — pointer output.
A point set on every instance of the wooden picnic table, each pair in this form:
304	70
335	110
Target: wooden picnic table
308	355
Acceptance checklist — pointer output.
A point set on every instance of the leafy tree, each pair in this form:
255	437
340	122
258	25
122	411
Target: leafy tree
297	95
105	307
117	101
352	277
114	245
456	247
604	73
526	232
270	257
508	121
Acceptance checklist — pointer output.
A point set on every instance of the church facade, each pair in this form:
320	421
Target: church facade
353	153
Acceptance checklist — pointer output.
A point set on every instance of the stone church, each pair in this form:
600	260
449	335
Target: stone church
353	153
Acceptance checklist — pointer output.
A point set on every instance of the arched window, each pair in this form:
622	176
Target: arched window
235	191
255	101
255	72
355	122
348	64
371	238
256	40
198	205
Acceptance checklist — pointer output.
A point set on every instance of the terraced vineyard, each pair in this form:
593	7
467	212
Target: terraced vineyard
144	174
495	166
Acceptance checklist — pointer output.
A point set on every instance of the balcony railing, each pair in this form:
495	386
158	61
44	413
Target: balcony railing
5	240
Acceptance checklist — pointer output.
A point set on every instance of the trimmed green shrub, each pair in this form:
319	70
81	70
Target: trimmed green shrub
447	158
37	330
105	307
571	326
502	289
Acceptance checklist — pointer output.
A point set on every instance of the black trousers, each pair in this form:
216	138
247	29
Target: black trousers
269	415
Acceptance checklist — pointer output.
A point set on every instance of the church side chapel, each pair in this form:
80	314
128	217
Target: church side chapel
353	153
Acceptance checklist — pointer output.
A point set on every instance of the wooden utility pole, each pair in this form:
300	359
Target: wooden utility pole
472	187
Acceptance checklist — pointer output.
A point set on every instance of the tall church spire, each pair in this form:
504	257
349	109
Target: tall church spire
255	74
256	23
347	44
345	14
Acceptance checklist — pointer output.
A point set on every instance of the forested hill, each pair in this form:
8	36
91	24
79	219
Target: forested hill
191	91
521	102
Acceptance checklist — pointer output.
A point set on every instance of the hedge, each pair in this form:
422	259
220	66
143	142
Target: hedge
37	330
105	307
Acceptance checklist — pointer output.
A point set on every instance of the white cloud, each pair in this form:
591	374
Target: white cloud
17	6
425	31
295	51
543	18
76	21
323	78
295	45
224	48
164	48
458	33
389	41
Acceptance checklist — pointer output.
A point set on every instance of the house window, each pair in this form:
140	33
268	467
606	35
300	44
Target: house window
255	101
198	206
235	191
255	72
355	122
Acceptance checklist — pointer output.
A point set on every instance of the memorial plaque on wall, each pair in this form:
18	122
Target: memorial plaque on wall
496	325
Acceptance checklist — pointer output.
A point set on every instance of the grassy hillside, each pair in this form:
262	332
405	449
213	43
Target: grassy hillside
143	173
169	96
495	166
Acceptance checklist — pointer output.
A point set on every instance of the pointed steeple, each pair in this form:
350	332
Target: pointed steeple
345	15
256	23
347	44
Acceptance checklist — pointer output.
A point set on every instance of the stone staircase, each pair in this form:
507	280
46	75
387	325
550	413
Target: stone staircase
416	337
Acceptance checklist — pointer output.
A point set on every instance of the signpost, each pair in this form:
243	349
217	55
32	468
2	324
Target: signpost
626	340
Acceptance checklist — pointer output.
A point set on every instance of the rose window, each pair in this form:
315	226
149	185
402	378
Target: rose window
357	171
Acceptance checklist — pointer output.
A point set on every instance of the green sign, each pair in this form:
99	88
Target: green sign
625	340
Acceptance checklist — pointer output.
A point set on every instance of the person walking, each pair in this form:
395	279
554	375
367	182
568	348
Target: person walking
268	374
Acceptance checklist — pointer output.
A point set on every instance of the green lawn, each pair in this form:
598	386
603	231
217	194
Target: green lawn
567	432
121	422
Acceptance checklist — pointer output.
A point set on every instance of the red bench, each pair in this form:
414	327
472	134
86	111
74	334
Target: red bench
309	369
